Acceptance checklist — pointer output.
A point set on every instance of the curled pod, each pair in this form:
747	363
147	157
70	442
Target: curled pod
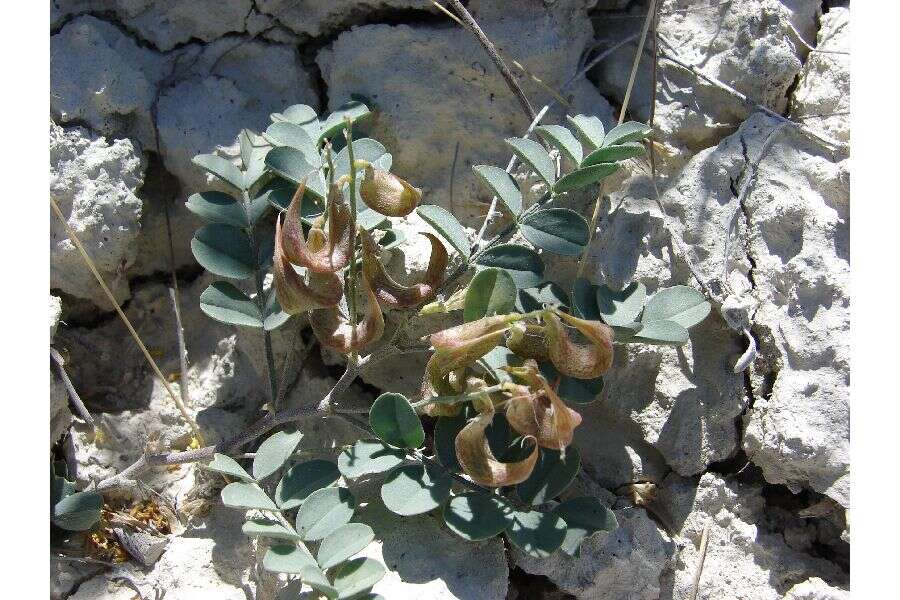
461	335
294	295
390	292
541	413
478	461
528	340
333	331
387	193
319	255
579	360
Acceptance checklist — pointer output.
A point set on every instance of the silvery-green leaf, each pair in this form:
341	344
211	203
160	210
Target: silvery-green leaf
533	154
366	457
621	307
630	131
584	299
548	293
268	528
334	123
363	149
562	139
291	164
552	474
501	185
524	265
663	332
537	534
78	511
558	230
413	489
323	511
447	226
295	136
584	176
608	154
225	303
681	304
584	516
344	542
241	494
287	558
274	452
491	292
303	479
221	168
228	466
477	516
395	422
224	250
356	576
590	130
217	207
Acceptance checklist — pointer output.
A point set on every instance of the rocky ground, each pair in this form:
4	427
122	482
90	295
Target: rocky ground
757	459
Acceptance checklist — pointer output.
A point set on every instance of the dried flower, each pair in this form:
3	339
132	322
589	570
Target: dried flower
331	255
394	294
582	361
293	294
478	461
335	332
538	411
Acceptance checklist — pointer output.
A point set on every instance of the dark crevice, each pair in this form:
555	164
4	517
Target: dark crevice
525	586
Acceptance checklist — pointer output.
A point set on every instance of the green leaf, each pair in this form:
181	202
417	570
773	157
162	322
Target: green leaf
585	176
367	457
523	264
344	542
491	292
274	452
413	490
584	516
502	185
589	129
323	511
445	431
315	578
291	163
609	154
584	299
477	516
621	307
631	131
246	145
217	207
558	230
221	168
259	206
296	113
241	494
571	389
303	479
447	226
395	422
78	511
533	154
268	528
552	474
287	558
356	576
294	136
562	139
547	293
681	304
663	333
275	317
228	466
225	303
363	149
537	534
224	250
334	123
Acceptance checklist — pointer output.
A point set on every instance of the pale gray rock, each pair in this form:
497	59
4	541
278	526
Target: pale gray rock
821	100
55	313
223	87
212	561
816	589
749	46
744	559
624	564
417	69
101	77
166	23
94	182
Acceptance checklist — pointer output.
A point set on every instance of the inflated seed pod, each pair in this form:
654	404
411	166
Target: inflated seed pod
334	331
296	296
396	295
541	412
528	340
318	255
388	194
478	461
582	361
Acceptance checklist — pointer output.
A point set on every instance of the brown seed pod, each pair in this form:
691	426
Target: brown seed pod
528	340
541	412
394	294
330	256
294	295
387	193
582	361
336	332
461	335
478	461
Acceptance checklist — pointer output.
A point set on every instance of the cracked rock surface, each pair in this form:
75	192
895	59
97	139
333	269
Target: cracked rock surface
753	211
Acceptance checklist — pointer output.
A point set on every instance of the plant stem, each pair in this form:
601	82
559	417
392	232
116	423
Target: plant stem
80	408
261	303
351	299
175	294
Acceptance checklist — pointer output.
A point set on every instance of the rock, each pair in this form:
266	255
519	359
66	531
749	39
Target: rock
623	564
94	182
821	100
55	313
227	85
60	415
419	70
743	559
166	24
798	429
454	569
816	589
315	19
750	47
209	562
101	77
